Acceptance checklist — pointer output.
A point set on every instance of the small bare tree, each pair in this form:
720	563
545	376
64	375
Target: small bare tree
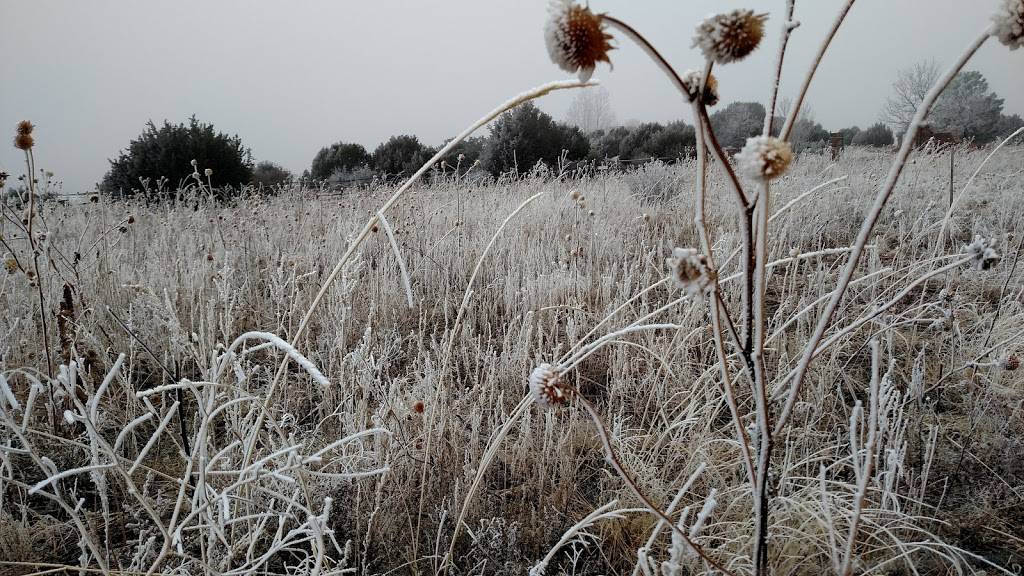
591	110
908	91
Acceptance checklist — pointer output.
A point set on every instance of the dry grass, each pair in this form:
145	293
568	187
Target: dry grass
186	279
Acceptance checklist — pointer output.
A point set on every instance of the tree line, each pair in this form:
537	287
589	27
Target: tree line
172	155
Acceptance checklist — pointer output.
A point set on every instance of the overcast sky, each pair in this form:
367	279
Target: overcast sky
290	77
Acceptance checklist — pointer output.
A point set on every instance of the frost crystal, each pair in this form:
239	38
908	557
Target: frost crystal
981	253
691	81
690	271
546	388
576	38
764	158
1008	23
725	38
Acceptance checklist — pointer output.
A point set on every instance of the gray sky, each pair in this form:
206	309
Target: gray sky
290	77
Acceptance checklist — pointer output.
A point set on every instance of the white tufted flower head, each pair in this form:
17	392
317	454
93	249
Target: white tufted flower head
547	388
730	37
1008	23
981	253
208	172
576	38
691	81
764	157
690	271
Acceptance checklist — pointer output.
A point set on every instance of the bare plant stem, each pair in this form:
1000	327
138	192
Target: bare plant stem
869	223
787	128
31	166
787	29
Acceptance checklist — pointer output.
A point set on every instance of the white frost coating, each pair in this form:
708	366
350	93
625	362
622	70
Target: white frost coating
285	347
764	158
1008	23
152	440
7	395
730	37
55	477
690	271
558	13
709	506
981	253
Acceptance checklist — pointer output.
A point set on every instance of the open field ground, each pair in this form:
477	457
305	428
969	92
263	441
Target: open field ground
238	480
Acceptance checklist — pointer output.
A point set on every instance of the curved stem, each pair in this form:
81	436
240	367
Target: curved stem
787	129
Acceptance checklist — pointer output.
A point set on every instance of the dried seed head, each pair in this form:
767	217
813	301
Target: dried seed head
764	158
691	81
1008	23
725	38
208	172
547	388
11	265
418	407
23	140
576	38
981	253
690	271
3	178
1011	363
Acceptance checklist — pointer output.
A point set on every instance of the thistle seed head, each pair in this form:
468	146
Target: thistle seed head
1008	23
730	37
692	80
764	158
576	38
547	388
1011	363
689	271
981	253
23	140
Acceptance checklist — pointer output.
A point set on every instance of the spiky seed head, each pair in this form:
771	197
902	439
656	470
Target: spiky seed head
547	388
11	265
1011	363
690	271
729	37
576	38
23	140
1008	23
764	157
692	80
981	253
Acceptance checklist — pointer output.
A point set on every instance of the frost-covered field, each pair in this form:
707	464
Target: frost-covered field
160	443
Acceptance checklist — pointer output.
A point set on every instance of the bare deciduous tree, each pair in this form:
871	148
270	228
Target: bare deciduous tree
591	110
908	91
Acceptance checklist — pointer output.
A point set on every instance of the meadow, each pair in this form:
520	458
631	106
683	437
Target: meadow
405	410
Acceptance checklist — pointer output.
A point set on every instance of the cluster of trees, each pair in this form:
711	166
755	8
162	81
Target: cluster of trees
525	137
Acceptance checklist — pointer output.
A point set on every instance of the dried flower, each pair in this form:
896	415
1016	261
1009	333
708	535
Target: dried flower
725	38
576	38
11	265
418	407
692	80
1008	23
690	271
764	157
24	140
208	172
1011	363
3	178
981	253
547	388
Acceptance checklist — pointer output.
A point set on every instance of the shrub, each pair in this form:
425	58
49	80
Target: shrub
270	175
878	135
525	136
400	155
849	134
168	151
340	156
